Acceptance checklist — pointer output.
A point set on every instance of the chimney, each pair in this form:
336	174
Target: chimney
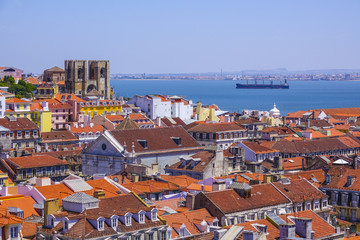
91	125
278	162
218	234
303	227
308	123
341	172
99	194
287	231
217	186
250	235
202	187
355	165
303	163
190	201
347	232
203	226
50	206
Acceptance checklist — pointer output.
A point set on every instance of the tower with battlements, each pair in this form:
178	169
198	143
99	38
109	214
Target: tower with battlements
96	82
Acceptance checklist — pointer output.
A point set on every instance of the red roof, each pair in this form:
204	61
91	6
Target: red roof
35	161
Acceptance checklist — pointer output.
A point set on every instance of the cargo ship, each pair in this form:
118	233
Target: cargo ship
263	85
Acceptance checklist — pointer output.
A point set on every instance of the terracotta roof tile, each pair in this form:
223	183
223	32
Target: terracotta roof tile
261	195
205	127
35	161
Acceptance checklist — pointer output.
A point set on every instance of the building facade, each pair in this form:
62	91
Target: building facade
80	82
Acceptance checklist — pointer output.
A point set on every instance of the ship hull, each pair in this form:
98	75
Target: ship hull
262	86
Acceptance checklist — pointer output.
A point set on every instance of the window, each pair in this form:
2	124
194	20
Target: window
324	203
113	222
27	144
251	216
2	134
137	237
298	208
35	133
154	215
182	232
1	181
163	235
100	224
128	220
66	225
18	134
241	219
150	236
141	218
316	205
14	231
11	134
308	206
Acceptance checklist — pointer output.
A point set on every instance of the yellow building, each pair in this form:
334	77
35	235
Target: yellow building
100	107
4	180
36	112
41	116
17	108
206	114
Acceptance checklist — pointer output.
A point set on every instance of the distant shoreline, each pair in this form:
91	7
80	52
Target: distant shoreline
157	79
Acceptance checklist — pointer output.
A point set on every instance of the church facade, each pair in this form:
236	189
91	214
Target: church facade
88	78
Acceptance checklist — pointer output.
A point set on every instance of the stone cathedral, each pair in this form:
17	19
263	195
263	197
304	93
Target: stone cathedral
88	78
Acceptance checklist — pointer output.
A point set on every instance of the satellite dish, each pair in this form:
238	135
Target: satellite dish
138	161
116	179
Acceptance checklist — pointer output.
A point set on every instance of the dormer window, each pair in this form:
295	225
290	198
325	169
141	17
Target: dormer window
114	222
128	219
143	143
100	224
66	225
141	218
154	215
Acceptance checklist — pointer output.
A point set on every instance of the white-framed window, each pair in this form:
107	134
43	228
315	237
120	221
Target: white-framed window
153	215
14	232
324	203
3	134
1	181
163	235
182	232
101	224
114	222
18	133
128	220
316	205
35	132
150	236
141	218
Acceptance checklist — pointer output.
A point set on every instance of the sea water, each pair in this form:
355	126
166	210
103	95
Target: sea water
302	95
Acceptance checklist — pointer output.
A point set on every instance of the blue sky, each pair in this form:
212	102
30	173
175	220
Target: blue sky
181	36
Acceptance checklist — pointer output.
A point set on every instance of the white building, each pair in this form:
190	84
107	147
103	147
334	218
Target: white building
2	106
158	106
148	146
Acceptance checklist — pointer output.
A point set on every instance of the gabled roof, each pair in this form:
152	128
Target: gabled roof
80	197
262	195
151	186
300	190
257	148
191	219
55	69
158	139
58	136
205	127
16	100
127	123
197	162
175	121
35	161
